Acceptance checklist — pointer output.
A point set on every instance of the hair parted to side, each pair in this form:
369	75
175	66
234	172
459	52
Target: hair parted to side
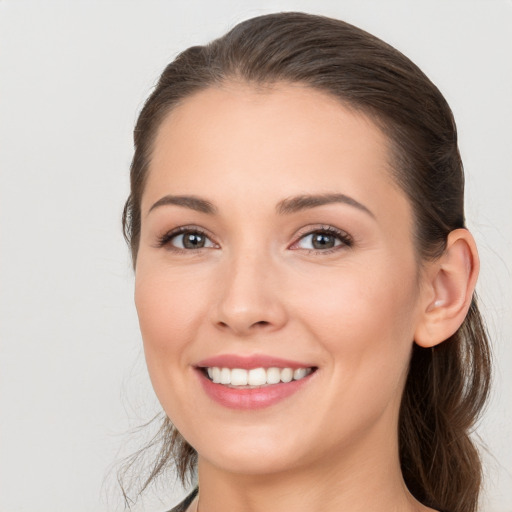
446	387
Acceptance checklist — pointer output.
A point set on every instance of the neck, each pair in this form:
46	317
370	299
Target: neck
352	481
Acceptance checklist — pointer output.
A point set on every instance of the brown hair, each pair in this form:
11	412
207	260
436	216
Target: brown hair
447	386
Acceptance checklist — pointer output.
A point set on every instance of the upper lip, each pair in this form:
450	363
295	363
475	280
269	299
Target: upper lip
249	362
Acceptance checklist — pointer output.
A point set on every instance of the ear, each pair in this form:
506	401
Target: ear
448	289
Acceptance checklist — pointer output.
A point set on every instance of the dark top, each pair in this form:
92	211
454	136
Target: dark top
186	502
182	507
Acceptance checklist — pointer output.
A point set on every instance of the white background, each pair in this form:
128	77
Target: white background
73	76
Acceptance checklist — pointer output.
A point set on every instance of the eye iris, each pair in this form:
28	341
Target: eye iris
193	240
323	241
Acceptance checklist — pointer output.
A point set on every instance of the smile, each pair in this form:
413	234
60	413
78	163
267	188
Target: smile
256	377
254	382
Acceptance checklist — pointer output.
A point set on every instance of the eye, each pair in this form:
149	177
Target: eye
186	239
191	240
318	241
323	240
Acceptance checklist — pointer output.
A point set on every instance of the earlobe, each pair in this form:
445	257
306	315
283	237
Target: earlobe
450	286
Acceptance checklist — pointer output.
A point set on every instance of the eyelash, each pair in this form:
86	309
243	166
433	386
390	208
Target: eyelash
166	238
345	238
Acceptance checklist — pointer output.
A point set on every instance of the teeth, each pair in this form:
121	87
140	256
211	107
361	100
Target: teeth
225	376
216	375
299	373
256	376
238	377
273	376
286	374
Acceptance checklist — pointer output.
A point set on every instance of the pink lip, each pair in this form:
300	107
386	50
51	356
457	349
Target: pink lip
244	398
249	362
249	399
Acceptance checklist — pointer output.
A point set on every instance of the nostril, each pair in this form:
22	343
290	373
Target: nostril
262	323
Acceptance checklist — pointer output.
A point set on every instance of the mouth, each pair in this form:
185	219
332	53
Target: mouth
241	378
253	382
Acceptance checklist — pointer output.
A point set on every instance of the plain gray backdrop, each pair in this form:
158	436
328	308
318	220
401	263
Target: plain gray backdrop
73	76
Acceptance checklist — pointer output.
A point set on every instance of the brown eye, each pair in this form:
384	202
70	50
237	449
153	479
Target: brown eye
193	240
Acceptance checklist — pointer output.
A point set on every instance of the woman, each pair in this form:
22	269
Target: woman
304	277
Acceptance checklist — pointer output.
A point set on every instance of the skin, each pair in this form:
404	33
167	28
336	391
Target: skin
258	288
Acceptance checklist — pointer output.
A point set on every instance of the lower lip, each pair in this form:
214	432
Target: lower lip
245	398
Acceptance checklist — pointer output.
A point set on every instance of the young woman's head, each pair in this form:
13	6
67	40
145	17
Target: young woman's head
296	209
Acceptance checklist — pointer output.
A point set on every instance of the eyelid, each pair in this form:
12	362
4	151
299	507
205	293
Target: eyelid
343	236
165	239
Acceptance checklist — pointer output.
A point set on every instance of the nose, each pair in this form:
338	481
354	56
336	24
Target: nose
249	298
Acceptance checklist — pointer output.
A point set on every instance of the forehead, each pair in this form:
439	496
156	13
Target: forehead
267	143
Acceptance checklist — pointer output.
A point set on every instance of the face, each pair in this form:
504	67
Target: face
276	246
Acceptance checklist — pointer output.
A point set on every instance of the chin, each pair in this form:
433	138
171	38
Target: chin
249	455
250	463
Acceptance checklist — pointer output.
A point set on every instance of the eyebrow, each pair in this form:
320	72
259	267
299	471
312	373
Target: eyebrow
192	202
304	202
284	207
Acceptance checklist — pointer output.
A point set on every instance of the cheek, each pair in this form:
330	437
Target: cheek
162	316
365	324
169	300
170	309
365	320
